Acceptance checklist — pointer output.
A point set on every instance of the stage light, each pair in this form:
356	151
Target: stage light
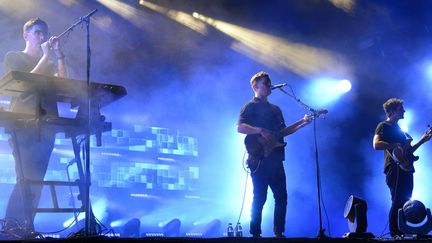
324	91
172	228
427	69
210	230
72	221
116	223
356	213
279	53
132	228
414	218
178	16
344	86
126	11
345	5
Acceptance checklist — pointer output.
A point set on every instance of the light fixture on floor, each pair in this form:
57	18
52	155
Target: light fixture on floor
414	218
356	213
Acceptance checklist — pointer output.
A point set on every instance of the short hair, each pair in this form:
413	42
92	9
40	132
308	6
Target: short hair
33	22
259	77
391	105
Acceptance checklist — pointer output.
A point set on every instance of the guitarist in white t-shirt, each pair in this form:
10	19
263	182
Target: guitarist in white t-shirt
398	158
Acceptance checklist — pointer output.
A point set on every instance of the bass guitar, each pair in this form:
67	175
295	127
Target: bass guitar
404	155
259	147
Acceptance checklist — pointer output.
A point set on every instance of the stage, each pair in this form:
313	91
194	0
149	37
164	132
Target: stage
218	240
159	151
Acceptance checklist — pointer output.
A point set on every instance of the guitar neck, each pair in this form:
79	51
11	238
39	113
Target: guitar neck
291	128
302	122
421	142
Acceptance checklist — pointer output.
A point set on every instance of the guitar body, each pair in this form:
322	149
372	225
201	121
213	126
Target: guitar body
404	157
259	148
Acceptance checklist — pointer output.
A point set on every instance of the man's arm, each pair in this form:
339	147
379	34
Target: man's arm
61	63
42	65
380	144
422	140
248	129
296	126
61	66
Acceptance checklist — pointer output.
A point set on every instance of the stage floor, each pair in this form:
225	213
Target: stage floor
215	240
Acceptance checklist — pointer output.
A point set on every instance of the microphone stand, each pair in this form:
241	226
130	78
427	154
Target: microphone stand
90	221
321	232
70	29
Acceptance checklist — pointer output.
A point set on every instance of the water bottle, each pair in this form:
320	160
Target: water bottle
230	230
238	230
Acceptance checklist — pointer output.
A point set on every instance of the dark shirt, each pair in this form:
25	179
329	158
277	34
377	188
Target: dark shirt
19	61
390	133
263	114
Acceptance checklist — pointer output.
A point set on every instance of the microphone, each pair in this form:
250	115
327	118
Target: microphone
277	86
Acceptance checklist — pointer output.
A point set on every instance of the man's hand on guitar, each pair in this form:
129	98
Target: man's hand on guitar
427	136
307	119
268	135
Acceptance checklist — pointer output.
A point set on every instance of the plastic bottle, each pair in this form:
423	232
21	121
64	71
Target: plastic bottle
230	230
238	230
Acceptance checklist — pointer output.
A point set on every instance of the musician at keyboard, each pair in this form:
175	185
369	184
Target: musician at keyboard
32	143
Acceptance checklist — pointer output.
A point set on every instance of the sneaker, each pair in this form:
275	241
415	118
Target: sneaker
279	235
256	236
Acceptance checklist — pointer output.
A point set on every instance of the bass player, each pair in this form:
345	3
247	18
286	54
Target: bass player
398	166
263	123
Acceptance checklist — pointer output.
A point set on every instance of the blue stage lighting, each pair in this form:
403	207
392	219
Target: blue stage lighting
406	122
428	70
211	229
344	86
117	223
325	91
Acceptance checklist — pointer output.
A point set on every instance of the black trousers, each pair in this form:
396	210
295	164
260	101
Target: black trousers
401	185
269	174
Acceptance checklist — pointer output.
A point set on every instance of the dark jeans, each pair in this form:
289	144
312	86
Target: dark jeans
269	174
401	186
33	151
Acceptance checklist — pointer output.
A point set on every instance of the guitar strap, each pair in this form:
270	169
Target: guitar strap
391	156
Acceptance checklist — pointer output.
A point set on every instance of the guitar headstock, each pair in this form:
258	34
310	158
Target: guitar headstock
319	113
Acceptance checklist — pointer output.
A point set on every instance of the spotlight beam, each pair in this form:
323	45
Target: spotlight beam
178	16
279	53
126	11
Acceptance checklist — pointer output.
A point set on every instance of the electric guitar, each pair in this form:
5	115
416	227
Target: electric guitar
404	155
259	147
